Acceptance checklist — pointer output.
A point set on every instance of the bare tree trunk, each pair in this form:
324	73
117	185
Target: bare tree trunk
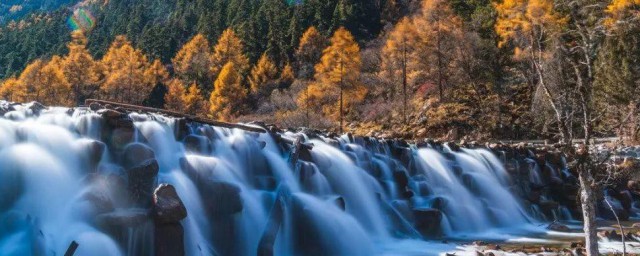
587	200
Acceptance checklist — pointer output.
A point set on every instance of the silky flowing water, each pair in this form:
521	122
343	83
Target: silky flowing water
344	200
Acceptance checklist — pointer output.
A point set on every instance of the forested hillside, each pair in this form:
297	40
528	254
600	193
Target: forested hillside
411	68
15	9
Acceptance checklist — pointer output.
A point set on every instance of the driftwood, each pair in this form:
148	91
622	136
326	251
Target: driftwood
177	114
72	249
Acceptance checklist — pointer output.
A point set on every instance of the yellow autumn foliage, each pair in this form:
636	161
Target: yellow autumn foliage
228	96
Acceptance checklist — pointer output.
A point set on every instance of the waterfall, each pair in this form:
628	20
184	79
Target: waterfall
67	176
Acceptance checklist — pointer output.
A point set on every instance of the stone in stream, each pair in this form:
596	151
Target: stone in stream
221	198
341	203
167	205
118	129
169	239
555	226
427	221
141	181
135	154
181	129
197	144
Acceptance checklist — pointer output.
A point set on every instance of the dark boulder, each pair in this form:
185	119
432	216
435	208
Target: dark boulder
118	129
181	129
341	203
197	144
135	154
169	239
167	205
141	181
221	198
555	226
427	221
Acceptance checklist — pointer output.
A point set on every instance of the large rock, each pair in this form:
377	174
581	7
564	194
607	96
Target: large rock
169	239
135	154
427	221
141	181
221	198
118	129
555	226
167	205
197	144
92	151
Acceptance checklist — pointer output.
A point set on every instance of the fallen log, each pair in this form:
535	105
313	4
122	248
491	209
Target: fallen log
72	249
177	114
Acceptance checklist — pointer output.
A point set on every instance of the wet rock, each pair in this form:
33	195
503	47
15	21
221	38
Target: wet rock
169	239
95	106
141	181
181	129
401	179
36	107
135	154
93	151
167	205
555	226
123	218
341	203
197	144
221	198
427	221
118	129
453	146
548	207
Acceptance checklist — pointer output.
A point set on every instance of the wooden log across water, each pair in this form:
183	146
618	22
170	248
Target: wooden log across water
177	114
72	249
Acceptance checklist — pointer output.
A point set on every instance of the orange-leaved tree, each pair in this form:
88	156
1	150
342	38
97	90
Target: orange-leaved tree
194	102
337	85
80	69
395	59
192	63
263	78
309	52
126	73
174	98
228	97
229	48
44	82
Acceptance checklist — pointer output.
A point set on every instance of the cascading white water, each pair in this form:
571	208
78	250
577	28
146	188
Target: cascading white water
337	201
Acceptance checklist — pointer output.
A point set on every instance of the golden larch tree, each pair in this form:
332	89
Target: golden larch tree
337	76
193	62
45	83
194	102
395	58
229	48
80	69
174	98
287	76
157	73
10	89
438	30
127	78
264	78
228	97
309	52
